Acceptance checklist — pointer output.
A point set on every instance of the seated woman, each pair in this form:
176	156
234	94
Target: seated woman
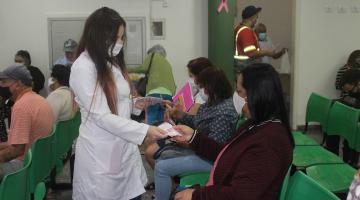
254	163
60	98
353	62
216	118
194	68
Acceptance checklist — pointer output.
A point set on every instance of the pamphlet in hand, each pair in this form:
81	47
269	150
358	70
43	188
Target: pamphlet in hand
170	131
184	97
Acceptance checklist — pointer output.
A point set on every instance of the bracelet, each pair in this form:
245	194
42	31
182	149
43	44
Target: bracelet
193	136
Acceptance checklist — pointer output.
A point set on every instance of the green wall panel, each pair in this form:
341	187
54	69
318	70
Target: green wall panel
221	37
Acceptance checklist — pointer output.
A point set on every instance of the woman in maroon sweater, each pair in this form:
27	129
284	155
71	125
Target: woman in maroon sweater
254	164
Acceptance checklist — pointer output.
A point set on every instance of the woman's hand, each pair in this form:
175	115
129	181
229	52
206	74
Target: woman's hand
155	133
186	134
175	111
184	195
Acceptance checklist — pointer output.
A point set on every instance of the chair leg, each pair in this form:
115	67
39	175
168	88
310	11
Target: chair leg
72	162
332	143
306	127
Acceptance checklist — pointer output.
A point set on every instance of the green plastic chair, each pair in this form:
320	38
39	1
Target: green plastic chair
240	121
65	134
343	121
317	110
14	186
42	161
284	185
63	138
306	156
190	179
302	187
75	125
303	140
334	177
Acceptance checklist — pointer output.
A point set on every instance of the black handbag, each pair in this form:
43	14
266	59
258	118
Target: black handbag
142	83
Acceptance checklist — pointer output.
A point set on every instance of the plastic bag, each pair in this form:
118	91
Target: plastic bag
285	64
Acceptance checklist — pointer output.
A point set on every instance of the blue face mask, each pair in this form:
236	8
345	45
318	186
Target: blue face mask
262	36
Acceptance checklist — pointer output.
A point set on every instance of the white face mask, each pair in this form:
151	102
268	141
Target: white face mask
204	96
19	64
194	87
50	82
116	50
239	103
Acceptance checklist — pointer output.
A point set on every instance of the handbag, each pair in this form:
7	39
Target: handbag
142	83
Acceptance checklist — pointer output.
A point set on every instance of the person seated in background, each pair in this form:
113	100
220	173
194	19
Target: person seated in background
31	118
22	57
160	83
216	118
353	62
60	98
266	43
354	193
5	110
255	162
69	49
350	84
347	81
194	68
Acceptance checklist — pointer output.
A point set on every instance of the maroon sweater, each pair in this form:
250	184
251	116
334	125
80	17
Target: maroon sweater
252	167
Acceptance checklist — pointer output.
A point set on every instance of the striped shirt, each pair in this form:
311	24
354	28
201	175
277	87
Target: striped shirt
31	119
338	84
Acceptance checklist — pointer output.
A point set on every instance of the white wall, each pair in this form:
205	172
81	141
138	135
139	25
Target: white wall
24	26
323	42
186	34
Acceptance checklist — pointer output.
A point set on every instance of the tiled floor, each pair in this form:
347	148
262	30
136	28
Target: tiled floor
65	176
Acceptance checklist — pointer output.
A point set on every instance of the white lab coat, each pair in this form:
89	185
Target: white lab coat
108	164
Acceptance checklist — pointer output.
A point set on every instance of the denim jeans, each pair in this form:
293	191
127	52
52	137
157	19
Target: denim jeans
155	113
165	169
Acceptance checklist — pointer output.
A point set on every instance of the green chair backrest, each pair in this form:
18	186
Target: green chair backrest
63	138
303	187
240	121
75	125
343	121
285	184
14	186
42	160
317	109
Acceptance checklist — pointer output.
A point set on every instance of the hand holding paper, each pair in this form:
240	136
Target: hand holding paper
185	134
168	128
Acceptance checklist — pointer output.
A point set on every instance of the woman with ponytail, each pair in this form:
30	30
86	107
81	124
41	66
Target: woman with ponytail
108	163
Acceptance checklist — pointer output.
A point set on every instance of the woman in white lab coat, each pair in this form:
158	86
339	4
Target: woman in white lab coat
108	164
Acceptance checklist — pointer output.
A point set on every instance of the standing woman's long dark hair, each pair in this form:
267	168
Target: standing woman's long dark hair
100	35
264	95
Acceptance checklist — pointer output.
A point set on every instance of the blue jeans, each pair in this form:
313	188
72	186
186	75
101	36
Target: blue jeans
155	113
165	169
